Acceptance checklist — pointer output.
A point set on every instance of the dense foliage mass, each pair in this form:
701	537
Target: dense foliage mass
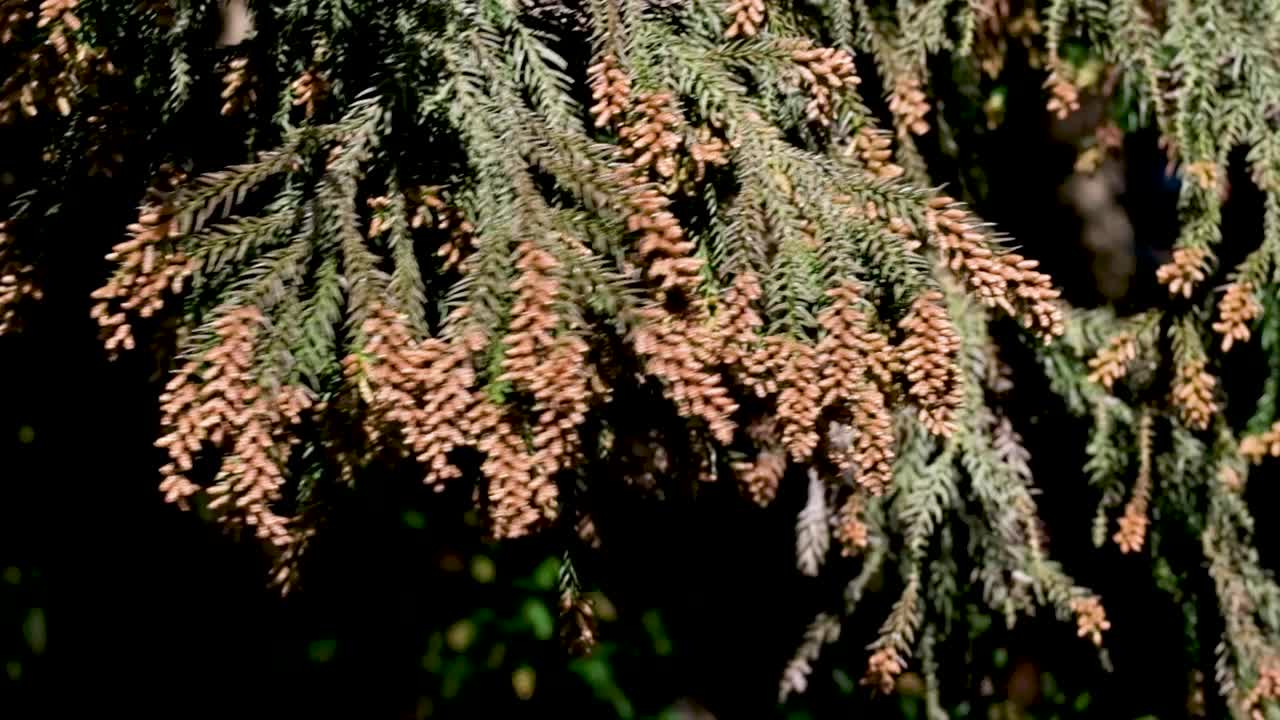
541	248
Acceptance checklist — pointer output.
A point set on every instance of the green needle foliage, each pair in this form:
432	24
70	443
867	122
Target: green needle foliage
506	244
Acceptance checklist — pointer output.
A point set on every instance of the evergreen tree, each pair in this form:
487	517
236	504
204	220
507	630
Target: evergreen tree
534	248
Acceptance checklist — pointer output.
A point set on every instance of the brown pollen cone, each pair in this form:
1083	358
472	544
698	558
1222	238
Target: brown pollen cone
1133	524
748	17
1238	307
1091	618
855	369
929	358
610	89
875	150
238	94
1193	394
681	351
215	400
1184	272
1005	280
851	531
824	71
16	280
762	475
909	106
149	266
1112	362
1265	444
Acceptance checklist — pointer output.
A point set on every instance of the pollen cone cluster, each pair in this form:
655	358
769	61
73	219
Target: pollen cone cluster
1266	689
1193	394
851	531
520	494
1064	96
309	90
823	71
13	13
553	369
762	475
681	351
238	94
16	283
1133	524
215	401
874	149
1255	448
856	365
800	399
1004	280
1091	618
435	209
883	669
664	250
610	89
149	266
423	388
909	106
929	359
737	323
1238	307
1112	362
748	17
1184	272
650	141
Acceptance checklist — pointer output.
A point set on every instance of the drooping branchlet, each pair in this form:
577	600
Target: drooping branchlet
929	358
216	401
150	266
1133	524
1005	280
856	363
